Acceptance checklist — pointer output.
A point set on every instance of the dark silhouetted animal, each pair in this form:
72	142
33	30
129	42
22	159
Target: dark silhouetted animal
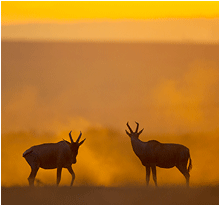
154	153
51	156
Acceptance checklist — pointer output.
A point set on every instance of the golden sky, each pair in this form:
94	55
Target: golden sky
26	12
111	21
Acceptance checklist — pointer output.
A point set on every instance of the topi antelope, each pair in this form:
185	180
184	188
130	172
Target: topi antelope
154	153
53	155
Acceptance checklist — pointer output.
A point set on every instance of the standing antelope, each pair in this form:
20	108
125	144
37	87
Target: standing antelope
53	155
154	153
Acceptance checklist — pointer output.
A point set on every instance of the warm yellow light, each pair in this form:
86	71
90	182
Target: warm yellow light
38	11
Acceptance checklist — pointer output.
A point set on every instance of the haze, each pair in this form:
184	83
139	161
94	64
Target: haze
159	30
170	89
94	75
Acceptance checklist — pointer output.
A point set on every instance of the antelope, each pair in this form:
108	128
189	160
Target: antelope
51	156
154	153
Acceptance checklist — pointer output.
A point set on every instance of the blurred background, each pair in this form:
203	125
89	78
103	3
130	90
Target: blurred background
94	66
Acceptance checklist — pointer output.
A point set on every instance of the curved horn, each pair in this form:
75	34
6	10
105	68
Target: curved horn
129	128
137	127
71	139
79	137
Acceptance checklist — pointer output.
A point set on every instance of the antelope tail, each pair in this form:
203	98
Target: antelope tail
27	152
190	165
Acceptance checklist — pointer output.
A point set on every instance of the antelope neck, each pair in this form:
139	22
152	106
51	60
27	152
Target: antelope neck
138	146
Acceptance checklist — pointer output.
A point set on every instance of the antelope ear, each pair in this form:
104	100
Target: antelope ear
127	133
81	142
140	131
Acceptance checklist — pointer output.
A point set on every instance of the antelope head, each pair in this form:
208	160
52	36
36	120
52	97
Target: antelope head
74	146
134	134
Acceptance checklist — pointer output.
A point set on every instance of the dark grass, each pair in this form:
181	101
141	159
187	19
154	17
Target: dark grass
52	195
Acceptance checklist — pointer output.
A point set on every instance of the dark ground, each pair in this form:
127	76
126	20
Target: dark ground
204	195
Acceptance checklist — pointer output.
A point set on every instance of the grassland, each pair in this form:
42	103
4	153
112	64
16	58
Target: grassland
204	195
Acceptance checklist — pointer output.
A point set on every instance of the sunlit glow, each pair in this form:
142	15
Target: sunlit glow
105	160
26	12
48	89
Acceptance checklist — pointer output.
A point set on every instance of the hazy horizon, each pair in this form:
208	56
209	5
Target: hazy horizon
198	30
50	88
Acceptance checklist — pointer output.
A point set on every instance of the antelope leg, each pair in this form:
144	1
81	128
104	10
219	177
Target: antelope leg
147	174
154	172
72	173
59	170
32	175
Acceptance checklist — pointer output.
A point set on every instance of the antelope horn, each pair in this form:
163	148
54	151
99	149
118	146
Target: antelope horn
79	137
71	139
137	127
129	128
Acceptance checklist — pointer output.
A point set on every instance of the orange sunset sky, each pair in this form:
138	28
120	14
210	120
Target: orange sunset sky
93	66
111	21
28	12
